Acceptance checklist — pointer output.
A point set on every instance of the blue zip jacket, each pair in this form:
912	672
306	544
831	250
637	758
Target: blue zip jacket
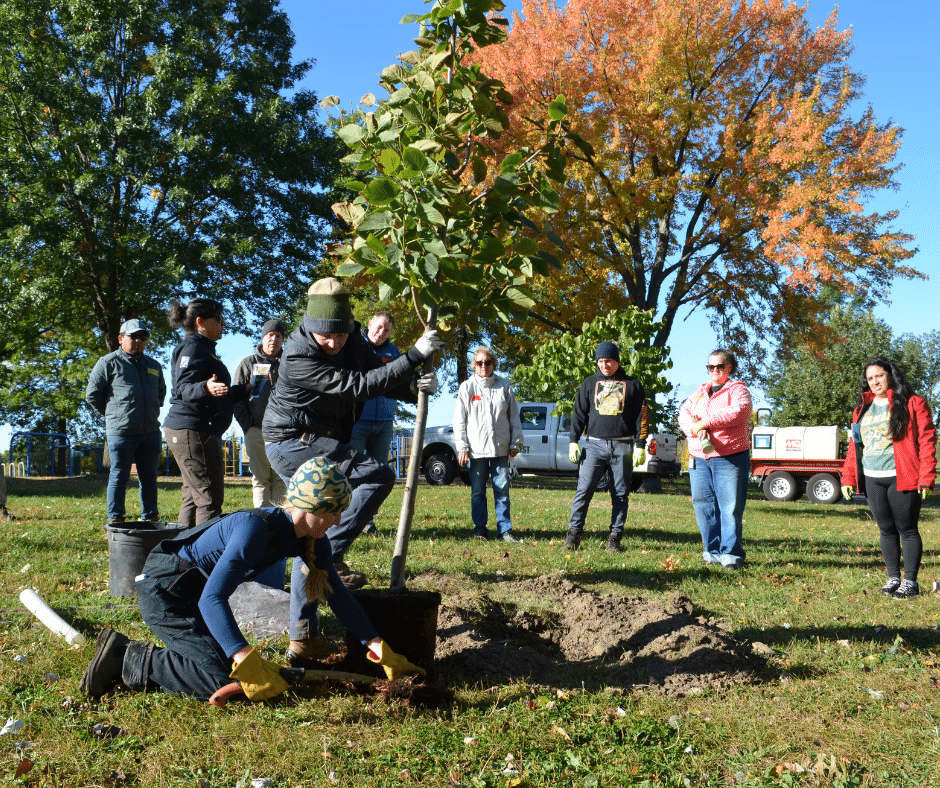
381	408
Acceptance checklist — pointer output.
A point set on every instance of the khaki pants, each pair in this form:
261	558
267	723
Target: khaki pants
202	466
267	487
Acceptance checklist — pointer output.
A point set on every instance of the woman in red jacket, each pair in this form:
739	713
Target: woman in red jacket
892	460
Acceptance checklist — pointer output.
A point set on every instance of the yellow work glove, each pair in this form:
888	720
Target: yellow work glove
639	457
394	665
847	491
260	678
574	452
924	493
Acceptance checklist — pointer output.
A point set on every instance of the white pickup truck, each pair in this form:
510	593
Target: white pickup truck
544	450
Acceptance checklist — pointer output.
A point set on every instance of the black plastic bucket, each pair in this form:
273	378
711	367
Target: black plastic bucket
129	544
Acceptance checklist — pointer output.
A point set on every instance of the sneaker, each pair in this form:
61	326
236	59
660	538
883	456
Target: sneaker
104	671
731	567
573	540
891	586
118	519
481	534
613	544
370	529
352	580
508	537
906	589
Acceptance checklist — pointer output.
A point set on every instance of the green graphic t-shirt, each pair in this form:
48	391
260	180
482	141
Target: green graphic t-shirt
878	453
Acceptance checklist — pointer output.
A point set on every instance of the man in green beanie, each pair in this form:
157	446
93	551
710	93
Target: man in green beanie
327	372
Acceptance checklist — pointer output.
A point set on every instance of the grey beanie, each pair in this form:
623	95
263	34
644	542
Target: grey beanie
273	325
607	350
328	307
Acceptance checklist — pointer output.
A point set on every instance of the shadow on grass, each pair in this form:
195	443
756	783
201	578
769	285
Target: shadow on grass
880	635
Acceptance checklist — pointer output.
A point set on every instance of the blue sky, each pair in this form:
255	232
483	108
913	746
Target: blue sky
894	47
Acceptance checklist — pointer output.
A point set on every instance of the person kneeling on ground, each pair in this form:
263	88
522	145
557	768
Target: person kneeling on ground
185	587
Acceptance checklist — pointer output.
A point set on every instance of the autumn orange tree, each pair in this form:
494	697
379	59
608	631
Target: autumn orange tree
727	172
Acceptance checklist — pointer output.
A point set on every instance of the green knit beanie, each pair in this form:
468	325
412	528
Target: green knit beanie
328	307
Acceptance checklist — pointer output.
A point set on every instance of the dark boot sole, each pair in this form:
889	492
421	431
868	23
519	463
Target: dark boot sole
104	671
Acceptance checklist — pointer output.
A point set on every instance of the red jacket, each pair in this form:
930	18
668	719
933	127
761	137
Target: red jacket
915	455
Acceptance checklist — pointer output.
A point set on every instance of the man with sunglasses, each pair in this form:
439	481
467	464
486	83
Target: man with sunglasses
127	388
487	432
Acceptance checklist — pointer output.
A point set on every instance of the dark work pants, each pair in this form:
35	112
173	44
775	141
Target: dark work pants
202	466
600	455
193	662
371	483
897	514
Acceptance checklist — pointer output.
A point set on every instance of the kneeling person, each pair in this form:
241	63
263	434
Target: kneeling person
186	584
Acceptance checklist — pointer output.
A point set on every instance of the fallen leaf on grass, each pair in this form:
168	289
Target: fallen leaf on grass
787	766
878	694
561	732
12	726
104	730
24	767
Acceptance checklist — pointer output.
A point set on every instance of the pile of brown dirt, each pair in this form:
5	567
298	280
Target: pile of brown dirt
549	631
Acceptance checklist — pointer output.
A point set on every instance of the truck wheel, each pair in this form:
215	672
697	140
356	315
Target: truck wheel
823	488
781	486
440	469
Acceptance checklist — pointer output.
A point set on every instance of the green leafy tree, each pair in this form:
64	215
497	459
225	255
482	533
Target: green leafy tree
149	150
560	363
434	220
819	384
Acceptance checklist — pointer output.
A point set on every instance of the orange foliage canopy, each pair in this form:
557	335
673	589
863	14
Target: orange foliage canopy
727	172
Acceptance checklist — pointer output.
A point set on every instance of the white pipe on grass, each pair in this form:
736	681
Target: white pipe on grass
35	605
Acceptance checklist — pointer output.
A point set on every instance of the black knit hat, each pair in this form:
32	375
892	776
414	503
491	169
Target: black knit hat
328	307
607	350
273	325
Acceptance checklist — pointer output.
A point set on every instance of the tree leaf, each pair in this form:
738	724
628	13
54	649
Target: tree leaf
381	191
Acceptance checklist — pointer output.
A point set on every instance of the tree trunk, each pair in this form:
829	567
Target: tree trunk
407	515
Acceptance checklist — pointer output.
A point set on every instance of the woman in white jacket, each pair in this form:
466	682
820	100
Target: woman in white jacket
487	431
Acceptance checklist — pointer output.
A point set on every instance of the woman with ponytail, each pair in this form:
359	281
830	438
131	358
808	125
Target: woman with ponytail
892	461
186	583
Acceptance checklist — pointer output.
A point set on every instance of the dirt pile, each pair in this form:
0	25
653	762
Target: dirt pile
547	630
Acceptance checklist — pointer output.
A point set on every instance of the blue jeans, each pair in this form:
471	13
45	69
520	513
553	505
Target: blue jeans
371	483
599	455
497	469
373	437
126	450
719	492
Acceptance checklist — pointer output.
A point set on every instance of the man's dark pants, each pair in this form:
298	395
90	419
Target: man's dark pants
142	450
371	484
599	455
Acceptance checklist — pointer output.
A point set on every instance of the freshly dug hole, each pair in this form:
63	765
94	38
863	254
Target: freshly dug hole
561	634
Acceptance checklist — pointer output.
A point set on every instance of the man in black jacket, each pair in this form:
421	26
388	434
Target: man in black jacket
327	371
610	410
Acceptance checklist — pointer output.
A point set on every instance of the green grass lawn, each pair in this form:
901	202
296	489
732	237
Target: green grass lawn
854	698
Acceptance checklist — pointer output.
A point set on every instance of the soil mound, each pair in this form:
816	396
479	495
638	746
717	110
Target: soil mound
548	630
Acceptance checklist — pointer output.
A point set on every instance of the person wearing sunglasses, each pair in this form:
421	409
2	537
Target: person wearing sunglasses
487	432
715	421
202	405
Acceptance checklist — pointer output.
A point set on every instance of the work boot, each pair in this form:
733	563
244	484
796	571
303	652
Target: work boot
104	671
613	543
300	653
573	540
352	580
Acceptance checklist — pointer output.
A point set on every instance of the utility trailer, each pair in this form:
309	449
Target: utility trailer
785	461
